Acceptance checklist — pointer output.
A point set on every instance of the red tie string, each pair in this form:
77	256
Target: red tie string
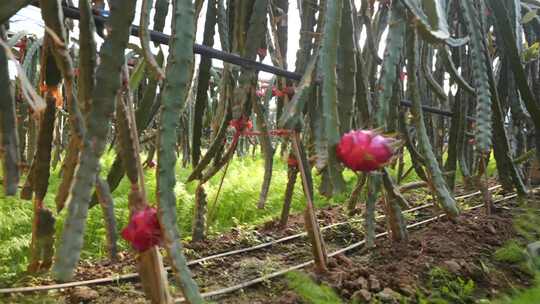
244	126
289	91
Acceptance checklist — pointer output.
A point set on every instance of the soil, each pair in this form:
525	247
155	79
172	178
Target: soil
465	247
459	247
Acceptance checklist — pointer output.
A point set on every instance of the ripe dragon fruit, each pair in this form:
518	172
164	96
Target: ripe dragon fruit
364	150
143	230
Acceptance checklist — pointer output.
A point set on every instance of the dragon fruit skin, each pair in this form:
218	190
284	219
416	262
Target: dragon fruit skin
143	230
364	150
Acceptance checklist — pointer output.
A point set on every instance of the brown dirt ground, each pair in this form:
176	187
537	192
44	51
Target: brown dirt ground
469	241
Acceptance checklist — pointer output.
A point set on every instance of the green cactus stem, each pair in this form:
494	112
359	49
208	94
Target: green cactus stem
87	57
143	117
509	174
374	187
199	214
175	92
203	83
41	165
126	141
291	117
40	180
450	166
452	69
9	143
222	117
416	159
346	72
53	17
143	114
144	36
431	21
215	147
27	128
303	54
10	8
254	37
363	102
394	201
292	174
98	125
327	69
252	41
509	46
426	71
436	179
354	198
266	147
483	94
391	62
42	246
223	25
42	159
276	42
107	206
375	30
161	8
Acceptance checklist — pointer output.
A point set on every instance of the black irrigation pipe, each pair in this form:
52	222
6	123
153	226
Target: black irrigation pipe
158	37
408	104
161	38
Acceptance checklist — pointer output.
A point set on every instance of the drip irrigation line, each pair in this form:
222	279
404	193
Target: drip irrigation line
408	104
133	276
162	38
432	110
337	252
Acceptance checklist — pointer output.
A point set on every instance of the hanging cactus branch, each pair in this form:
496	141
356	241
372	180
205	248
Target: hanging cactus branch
104	93
175	92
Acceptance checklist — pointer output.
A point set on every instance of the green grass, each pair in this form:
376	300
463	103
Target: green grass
310	291
511	253
448	288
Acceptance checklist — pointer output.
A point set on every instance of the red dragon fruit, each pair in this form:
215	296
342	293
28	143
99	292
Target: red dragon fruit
364	150
143	230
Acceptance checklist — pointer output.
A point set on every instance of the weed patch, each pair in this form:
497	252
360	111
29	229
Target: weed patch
311	292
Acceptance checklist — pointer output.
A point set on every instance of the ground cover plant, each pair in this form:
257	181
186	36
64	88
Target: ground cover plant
142	138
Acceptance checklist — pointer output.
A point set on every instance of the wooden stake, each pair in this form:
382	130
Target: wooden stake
312	227
154	276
